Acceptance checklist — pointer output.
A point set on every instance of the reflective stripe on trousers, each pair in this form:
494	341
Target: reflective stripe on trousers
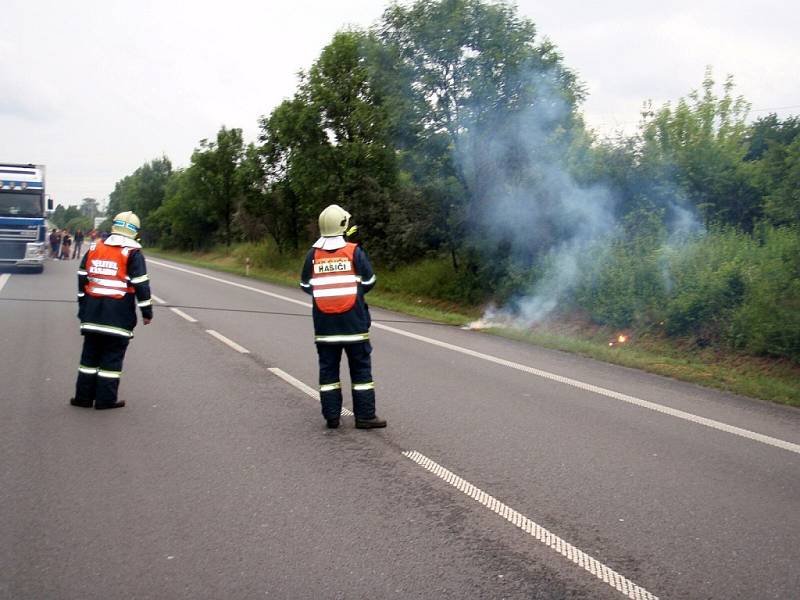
360	364
100	368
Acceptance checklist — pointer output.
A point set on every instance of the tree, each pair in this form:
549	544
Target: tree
57	217
782	202
338	139
768	132
183	220
473	59
89	208
504	103
142	192
214	168
61	216
700	145
82	222
774	163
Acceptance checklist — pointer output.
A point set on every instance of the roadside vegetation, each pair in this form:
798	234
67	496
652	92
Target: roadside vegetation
648	349
453	133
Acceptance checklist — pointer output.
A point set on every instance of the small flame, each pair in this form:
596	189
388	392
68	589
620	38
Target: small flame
479	324
622	338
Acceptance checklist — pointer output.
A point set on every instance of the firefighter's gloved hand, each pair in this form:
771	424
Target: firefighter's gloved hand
351	235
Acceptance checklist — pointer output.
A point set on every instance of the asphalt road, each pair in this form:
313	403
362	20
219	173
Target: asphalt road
507	471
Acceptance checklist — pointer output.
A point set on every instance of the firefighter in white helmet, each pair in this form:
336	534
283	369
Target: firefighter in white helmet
337	274
112	284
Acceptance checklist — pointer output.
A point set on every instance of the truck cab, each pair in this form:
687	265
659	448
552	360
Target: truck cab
23	230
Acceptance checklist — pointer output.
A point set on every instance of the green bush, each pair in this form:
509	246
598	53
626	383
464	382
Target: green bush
265	255
768	319
739	289
623	283
725	287
707	284
428	278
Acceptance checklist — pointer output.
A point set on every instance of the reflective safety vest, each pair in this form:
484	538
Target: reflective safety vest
107	271
334	282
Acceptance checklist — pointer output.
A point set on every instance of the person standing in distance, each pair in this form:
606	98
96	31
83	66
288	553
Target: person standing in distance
337	274
112	283
78	244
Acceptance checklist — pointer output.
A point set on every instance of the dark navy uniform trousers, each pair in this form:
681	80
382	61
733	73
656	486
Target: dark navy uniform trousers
360	363
100	369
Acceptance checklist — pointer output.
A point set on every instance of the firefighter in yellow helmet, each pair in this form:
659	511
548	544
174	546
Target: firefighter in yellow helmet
337	274
112	284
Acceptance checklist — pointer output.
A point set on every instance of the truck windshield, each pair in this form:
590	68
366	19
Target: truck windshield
15	204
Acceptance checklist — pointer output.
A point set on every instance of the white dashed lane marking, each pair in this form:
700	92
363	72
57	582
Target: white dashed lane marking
308	390
4	279
666	410
577	556
228	342
182	314
177	311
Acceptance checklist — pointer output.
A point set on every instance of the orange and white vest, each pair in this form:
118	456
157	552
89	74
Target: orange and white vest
107	271
334	281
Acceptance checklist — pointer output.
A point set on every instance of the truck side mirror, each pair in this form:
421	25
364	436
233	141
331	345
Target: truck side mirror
50	204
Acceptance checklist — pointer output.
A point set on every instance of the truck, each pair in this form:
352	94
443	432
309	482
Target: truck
23	231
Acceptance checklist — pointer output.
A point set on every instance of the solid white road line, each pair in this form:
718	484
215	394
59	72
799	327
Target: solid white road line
303	387
228	342
718	425
157	299
673	412
180	313
233	283
4	279
580	558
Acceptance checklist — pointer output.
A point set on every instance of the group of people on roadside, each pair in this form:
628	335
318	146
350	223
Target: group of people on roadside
66	245
113	283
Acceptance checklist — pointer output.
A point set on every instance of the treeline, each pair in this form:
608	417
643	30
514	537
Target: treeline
453	132
75	218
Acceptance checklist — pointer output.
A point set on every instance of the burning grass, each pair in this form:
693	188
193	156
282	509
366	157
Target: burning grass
650	349
694	359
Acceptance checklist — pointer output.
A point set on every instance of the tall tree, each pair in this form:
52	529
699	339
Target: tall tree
184	219
504	103
774	164
700	144
474	59
214	165
90	208
338	139
142	192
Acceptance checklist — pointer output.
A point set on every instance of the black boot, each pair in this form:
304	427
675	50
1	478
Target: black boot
118	404
81	403
373	423
332	423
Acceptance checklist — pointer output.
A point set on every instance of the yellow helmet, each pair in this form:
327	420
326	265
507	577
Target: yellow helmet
127	224
333	221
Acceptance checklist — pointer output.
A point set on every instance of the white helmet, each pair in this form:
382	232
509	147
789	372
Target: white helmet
127	224
333	221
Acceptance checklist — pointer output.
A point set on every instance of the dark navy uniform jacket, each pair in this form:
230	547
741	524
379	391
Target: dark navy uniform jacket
349	327
113	316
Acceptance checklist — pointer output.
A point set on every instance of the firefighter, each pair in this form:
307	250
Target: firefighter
112	283
337	274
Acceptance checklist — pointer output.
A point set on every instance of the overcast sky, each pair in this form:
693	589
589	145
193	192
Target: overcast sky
95	88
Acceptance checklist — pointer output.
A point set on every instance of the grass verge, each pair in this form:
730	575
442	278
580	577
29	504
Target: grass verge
768	379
